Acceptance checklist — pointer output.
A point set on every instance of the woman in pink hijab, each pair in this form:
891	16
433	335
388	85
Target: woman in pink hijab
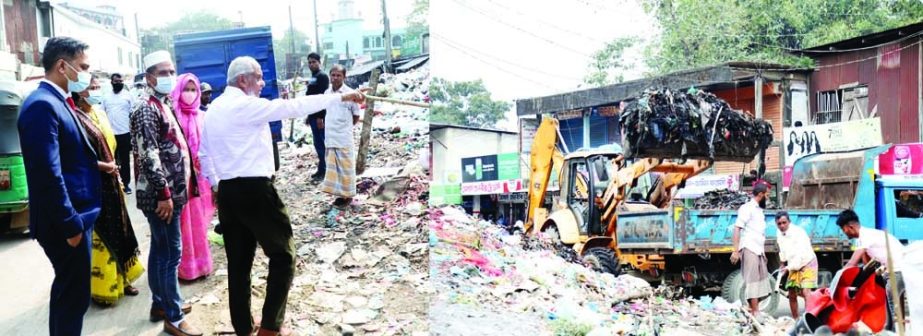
196	261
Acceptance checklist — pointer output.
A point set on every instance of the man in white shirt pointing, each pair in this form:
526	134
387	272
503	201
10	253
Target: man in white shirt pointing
237	156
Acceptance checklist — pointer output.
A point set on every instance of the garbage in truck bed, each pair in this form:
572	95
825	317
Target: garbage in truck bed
691	124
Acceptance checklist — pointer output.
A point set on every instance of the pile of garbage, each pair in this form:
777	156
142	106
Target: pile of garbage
694	124
363	270
476	265
724	199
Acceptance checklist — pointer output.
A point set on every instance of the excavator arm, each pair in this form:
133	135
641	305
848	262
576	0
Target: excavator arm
674	175
545	158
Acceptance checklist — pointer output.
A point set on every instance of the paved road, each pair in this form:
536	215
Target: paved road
25	283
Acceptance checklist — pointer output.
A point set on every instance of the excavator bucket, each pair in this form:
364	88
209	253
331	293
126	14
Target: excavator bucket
669	124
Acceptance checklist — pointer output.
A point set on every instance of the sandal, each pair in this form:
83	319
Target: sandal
131	291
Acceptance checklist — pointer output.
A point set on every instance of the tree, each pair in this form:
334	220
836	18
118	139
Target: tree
417	26
161	38
695	33
282	47
608	63
465	103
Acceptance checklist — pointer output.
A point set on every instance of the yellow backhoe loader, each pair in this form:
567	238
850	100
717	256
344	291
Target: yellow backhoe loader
596	185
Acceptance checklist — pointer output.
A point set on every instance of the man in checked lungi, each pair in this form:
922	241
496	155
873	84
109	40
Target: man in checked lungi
749	238
340	176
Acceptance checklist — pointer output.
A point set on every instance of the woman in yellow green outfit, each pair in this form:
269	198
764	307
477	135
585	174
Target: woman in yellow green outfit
114	260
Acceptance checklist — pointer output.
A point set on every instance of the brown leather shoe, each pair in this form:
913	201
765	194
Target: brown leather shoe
185	329
158	314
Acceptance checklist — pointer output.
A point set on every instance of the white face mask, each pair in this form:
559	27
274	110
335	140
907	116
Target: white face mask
188	97
165	84
82	82
95	97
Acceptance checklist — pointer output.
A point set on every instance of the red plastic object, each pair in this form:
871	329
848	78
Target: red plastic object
869	304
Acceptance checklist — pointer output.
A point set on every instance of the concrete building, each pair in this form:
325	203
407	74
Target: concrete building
479	169
112	47
344	38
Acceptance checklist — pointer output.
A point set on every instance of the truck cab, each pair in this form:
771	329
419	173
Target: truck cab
899	203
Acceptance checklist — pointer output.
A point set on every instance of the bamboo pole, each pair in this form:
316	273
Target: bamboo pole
397	101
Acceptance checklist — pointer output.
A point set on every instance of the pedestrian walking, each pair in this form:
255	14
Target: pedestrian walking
749	237
236	153
196	216
798	260
163	163
117	106
64	183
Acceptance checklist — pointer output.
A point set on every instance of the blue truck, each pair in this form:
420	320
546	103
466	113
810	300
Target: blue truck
691	248
208	55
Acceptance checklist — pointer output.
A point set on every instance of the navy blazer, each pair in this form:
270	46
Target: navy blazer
61	169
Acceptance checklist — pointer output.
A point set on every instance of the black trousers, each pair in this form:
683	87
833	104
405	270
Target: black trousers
70	290
123	157
251	213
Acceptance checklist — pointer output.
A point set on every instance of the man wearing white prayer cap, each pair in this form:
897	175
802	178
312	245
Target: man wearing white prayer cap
163	165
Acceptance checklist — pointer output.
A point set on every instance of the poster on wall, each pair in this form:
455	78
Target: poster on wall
825	138
903	159
527	129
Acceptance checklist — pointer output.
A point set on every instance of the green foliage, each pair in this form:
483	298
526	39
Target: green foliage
567	327
161	38
697	33
608	63
417	26
465	103
283	46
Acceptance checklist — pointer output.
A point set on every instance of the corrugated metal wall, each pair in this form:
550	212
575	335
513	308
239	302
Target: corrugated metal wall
891	73
22	31
742	99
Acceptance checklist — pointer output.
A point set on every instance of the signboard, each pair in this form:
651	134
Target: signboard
572	114
444	194
491	168
903	159
646	230
493	187
508	166
608	111
527	129
699	185
481	168
835	137
519	197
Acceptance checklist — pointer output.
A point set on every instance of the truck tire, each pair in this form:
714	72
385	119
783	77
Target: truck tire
602	259
732	290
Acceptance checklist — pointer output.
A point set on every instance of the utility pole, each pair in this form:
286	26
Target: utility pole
316	32
291	32
388	52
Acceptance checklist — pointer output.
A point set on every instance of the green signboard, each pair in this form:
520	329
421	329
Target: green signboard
508	166
445	194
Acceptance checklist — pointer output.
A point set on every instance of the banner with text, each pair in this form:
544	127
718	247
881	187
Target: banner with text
493	187
834	137
699	185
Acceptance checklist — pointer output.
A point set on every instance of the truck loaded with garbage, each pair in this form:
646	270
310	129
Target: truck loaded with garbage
616	208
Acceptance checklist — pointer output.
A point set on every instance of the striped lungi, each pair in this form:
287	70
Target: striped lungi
755	274
340	179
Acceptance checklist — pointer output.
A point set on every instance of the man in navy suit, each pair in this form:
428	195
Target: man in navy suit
64	180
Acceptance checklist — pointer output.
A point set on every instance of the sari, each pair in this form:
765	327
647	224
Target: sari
114	260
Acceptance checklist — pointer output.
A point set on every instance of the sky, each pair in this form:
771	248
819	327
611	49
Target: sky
269	12
528	48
